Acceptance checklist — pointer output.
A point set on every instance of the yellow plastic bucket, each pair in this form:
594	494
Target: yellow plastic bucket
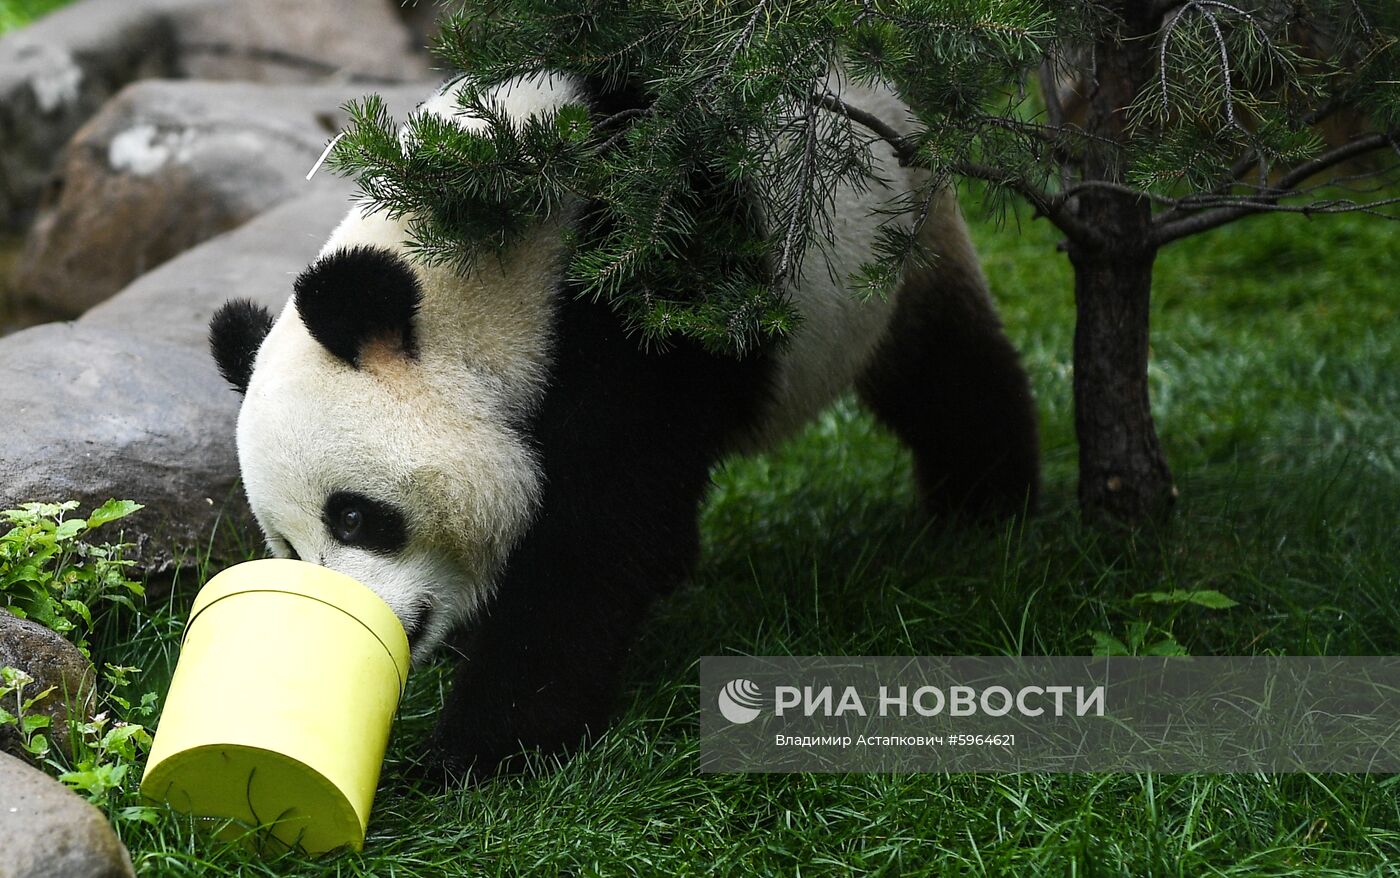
279	711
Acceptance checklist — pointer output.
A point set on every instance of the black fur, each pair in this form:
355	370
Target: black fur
350	297
948	382
627	440
236	331
381	528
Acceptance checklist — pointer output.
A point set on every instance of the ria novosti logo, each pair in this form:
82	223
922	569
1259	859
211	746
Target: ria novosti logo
740	701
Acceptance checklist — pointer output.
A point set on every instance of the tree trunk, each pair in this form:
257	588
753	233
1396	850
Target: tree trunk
1123	475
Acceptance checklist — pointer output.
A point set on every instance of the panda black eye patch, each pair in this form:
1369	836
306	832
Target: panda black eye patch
365	523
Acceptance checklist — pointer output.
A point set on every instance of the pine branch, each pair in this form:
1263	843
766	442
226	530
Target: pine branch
904	149
1194	103
1172	230
1054	208
797	217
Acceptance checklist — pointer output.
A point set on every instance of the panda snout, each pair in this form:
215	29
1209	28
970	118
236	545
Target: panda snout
416	625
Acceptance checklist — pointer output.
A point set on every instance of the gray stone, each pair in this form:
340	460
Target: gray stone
48	832
126	402
54	663
165	165
55	73
278	41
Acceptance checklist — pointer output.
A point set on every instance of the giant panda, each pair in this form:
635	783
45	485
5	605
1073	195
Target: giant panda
492	453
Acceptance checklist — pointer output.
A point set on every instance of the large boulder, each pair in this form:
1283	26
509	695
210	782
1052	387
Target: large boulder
166	165
48	832
55	73
126	402
54	664
304	41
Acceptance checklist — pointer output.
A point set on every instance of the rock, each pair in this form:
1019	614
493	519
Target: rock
55	73
126	401
165	165
53	662
48	832
278	41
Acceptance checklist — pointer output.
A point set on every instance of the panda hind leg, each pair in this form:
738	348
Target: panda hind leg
947	381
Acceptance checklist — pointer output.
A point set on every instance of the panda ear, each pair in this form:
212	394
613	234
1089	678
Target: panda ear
350	297
236	332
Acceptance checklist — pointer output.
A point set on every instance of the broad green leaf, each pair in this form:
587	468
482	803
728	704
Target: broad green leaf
80	608
1169	646
14	677
35	699
111	511
1107	644
140	813
37	746
70	528
1208	598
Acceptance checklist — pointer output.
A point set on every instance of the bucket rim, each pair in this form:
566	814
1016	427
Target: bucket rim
166	775
313	582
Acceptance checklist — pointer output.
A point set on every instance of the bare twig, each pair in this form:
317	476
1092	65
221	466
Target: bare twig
797	216
1225	70
903	148
619	117
1205	8
1052	207
1249	161
742	41
1162	50
1255	203
1268	201
1366	27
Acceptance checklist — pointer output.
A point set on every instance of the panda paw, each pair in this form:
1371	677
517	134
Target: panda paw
443	768
452	763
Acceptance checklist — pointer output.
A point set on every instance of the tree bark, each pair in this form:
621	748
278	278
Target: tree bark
1123	474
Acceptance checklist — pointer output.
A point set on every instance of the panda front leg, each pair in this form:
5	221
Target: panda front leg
626	440
544	661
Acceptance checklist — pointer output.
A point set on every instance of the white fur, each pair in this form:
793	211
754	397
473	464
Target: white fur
432	436
839	333
429	436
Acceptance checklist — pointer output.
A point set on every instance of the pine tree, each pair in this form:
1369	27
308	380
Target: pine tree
1128	124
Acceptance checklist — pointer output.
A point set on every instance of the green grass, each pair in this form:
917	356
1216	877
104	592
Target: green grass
1276	376
17	13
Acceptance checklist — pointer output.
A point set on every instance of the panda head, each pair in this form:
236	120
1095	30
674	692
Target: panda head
381	428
